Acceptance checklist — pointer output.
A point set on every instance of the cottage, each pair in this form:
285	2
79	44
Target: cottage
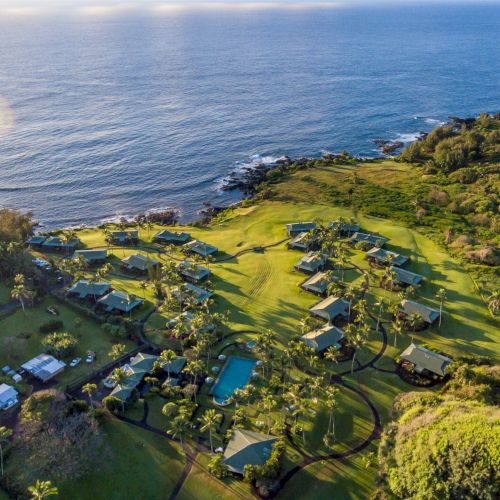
372	239
189	290
92	257
124	237
44	367
318	283
312	262
331	308
425	360
138	263
381	256
409	307
295	228
171	237
247	448
302	241
8	397
200	248
323	338
84	289
344	227
35	241
404	277
193	272
174	368
56	244
119	302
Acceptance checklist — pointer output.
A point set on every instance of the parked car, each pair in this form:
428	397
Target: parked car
75	362
90	357
109	383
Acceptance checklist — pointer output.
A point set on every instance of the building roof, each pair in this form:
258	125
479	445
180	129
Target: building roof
323	338
428	314
57	242
119	301
317	283
91	255
299	227
312	261
406	277
139	262
200	294
373	239
201	248
193	271
302	241
385	256
425	359
143	362
84	289
345	227
330	308
247	448
36	240
7	393
125	235
166	235
175	366
44	367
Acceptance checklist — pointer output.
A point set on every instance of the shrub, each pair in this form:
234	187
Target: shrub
60	344
464	176
50	326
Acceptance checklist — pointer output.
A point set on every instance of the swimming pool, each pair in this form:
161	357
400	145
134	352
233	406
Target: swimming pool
235	375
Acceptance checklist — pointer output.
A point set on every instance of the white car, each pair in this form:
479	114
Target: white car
75	362
90	358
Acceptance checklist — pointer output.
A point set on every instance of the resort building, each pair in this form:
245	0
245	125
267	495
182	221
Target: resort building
247	448
138	263
44	367
171	237
384	257
200	248
193	272
409	307
8	397
92	257
312	262
322	339
331	309
35	241
406	278
372	239
296	228
119	303
302	242
345	228
317	284
174	368
56	244
188	290
85	289
124	237
424	360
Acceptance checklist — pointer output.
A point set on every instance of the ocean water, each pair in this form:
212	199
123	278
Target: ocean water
102	116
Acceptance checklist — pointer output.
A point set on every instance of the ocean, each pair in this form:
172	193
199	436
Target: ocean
104	116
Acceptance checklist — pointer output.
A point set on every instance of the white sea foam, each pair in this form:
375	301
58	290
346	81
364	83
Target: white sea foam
434	121
408	137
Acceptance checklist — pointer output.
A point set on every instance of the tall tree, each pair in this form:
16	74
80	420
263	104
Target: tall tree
42	489
209	421
441	296
90	390
5	434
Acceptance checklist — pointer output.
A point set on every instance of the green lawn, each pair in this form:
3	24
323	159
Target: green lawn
5	297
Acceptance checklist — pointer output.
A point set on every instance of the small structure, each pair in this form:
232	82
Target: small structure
409	307
8	397
425	360
44	367
406	278
312	262
331	308
84	289
295	228
138	263
193	272
317	284
345	228
35	241
200	248
175	366
119	303
247	448
56	244
124	237
372	239
384	257
322	339
302	242
189	290
171	237
92	257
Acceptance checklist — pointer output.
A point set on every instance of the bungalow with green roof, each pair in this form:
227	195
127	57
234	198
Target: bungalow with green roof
35	241
56	244
295	228
409	307
193	272
424	360
344	227
318	284
312	262
138	263
85	289
118	303
124	237
323	338
188	290
384	257
406	278
330	309
92	257
171	237
302	241
371	239
200	248
247	448
174	368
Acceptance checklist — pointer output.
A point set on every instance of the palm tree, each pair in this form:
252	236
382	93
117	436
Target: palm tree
20	293
357	341
441	296
143	285
494	302
5	434
178	427
117	351
268	403
381	304
332	354
397	328
390	278
194	368
331	403
90	390
42	489
209	421
349	294
118	377
414	320
167	357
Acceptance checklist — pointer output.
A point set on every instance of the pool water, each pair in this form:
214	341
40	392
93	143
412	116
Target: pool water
235	375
